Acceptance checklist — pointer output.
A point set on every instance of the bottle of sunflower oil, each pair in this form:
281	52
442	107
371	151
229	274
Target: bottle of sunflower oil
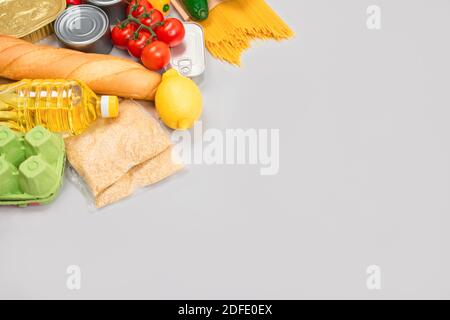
63	106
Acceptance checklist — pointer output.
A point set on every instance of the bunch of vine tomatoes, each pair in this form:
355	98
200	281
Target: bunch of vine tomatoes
147	35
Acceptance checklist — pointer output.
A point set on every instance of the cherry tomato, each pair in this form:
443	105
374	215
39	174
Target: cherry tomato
121	34
171	32
137	44
156	55
152	17
139	7
73	2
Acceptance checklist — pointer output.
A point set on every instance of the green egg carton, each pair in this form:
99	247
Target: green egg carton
31	166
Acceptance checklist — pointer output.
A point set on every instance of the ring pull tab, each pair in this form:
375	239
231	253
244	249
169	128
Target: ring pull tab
185	66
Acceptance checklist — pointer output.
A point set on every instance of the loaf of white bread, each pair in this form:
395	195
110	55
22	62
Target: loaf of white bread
104	74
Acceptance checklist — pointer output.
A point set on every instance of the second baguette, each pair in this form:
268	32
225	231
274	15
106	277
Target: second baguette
104	74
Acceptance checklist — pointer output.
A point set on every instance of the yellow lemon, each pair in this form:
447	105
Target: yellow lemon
178	101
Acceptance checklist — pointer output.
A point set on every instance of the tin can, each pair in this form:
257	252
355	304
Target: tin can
29	20
84	28
115	9
189	57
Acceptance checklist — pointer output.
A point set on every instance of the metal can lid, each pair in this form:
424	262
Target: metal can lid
81	25
104	2
189	57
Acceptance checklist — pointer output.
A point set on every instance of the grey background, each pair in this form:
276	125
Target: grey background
364	178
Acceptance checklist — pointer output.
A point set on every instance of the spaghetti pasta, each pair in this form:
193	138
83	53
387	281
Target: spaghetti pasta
233	24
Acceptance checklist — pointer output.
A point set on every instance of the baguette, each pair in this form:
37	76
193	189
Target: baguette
104	74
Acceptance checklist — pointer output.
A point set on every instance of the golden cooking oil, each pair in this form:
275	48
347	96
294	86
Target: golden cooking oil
64	106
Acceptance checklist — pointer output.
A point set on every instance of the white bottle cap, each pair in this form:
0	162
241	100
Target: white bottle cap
109	106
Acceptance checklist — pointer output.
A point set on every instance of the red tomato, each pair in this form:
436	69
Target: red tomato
139	7
156	55
137	44
171	32
73	2
152	17
121	34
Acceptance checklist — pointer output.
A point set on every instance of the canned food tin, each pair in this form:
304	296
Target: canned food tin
29	20
189	57
84	28
115	9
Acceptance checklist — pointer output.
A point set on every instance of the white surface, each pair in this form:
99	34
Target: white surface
364	178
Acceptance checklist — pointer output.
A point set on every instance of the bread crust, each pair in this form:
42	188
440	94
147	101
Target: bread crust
104	74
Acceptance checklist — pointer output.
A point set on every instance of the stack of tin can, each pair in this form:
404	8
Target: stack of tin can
84	28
